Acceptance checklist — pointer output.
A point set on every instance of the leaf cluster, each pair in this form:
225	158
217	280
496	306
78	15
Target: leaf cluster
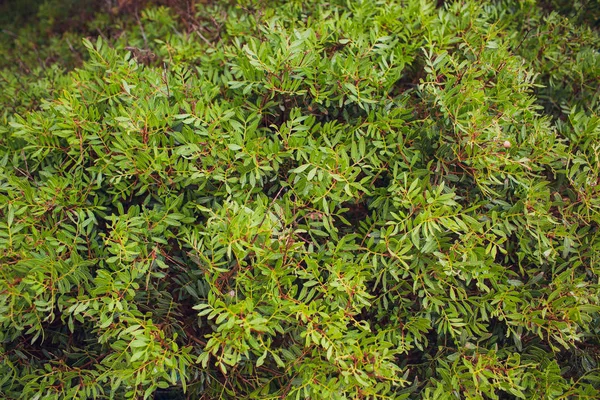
342	199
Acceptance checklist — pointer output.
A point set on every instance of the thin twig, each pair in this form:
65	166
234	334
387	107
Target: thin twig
166	79
10	33
137	17
203	38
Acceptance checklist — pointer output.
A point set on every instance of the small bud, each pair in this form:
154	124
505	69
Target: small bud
506	144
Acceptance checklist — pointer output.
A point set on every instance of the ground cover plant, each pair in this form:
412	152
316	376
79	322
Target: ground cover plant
300	199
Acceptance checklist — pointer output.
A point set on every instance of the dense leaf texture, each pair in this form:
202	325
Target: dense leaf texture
304	199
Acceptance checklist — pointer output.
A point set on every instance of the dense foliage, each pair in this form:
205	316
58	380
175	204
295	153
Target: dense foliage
300	199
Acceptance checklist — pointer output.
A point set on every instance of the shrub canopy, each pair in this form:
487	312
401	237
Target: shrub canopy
301	199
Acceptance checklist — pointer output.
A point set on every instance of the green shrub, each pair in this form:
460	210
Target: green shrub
343	199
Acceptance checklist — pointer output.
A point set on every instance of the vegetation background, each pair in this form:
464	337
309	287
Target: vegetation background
299	199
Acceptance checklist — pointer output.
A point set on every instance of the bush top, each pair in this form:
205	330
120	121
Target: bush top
365	199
